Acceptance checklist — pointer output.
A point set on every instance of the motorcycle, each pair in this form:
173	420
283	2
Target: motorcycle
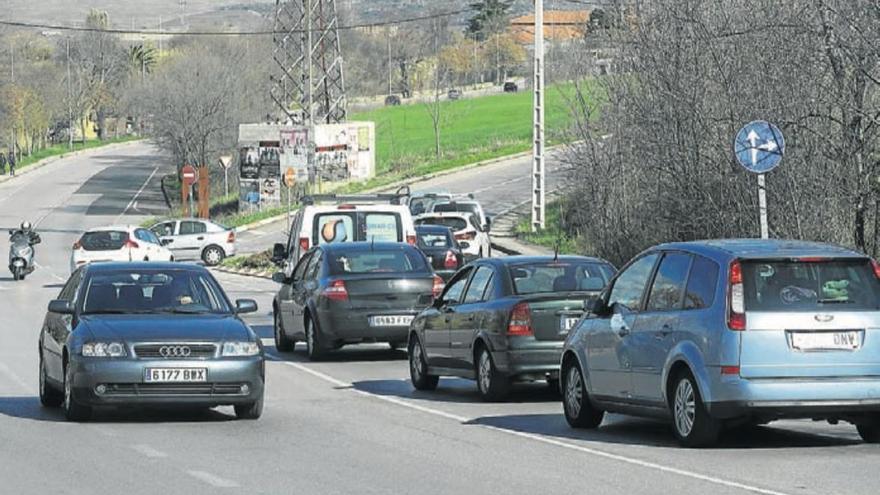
21	254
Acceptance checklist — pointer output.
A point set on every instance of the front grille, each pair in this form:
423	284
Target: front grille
173	389
178	351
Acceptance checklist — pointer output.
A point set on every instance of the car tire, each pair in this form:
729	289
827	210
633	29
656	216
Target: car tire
418	368
282	342
73	410
313	342
870	431
250	411
579	411
49	395
213	255
492	384
691	423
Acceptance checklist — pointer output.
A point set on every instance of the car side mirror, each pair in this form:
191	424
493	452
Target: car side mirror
244	306
280	278
166	242
596	306
61	307
279	253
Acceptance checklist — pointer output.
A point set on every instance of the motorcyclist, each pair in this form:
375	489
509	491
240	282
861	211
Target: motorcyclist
27	230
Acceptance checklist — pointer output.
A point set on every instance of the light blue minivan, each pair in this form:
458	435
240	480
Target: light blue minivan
717	333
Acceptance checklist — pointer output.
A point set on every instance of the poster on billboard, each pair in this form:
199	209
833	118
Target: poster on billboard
295	152
345	151
260	154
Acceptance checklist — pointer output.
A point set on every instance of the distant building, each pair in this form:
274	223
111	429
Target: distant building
560	26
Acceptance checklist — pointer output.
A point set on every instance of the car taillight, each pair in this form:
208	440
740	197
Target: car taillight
130	243
467	236
736	305
304	243
876	268
439	285
336	291
451	261
231	237
79	245
411	240
520	321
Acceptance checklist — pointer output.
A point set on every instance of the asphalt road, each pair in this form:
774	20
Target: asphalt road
351	424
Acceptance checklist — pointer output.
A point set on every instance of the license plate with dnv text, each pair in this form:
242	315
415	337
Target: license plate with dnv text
826	341
175	375
391	320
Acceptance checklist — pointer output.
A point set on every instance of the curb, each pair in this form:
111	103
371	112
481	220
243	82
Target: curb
245	272
52	159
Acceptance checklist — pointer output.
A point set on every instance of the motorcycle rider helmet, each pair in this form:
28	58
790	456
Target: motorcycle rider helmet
25	226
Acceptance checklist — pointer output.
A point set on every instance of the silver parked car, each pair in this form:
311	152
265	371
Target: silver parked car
718	333
194	239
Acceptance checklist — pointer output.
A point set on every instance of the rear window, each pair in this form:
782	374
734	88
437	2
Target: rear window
356	226
362	262
465	207
560	277
835	285
104	240
435	240
453	223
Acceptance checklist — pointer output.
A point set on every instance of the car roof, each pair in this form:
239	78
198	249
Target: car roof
351	247
446	214
381	207
428	227
122	266
113	228
763	248
526	260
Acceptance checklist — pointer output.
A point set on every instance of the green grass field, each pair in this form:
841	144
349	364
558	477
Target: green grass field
60	149
472	130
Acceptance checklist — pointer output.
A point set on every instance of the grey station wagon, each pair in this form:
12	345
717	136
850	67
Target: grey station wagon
716	333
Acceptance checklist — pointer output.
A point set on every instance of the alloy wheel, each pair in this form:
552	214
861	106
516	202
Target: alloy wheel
213	256
574	392
684	407
485	372
415	361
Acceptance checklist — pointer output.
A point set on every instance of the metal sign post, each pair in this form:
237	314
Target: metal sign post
290	182
188	175
759	147
225	162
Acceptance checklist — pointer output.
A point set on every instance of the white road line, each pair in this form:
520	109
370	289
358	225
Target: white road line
213	480
539	438
14	377
135	198
148	451
49	270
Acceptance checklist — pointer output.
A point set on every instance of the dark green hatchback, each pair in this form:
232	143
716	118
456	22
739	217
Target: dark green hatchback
503	320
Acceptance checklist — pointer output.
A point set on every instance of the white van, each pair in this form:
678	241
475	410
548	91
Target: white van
380	218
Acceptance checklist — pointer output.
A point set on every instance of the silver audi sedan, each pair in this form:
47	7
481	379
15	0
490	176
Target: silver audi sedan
151	334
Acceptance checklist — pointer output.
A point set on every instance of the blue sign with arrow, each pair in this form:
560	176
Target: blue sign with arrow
759	146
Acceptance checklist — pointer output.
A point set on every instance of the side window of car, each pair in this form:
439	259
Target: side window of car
452	294
668	288
191	228
69	290
315	266
164	229
478	285
300	270
630	285
151	237
144	235
703	280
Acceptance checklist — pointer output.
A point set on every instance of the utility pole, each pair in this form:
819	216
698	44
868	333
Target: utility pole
69	100
390	70
538	168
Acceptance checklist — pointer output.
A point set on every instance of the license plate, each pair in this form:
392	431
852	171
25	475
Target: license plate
826	341
566	323
175	375
391	321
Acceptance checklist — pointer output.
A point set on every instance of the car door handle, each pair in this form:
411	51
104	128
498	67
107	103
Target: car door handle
200	238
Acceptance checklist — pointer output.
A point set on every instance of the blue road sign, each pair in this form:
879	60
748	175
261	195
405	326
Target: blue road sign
759	146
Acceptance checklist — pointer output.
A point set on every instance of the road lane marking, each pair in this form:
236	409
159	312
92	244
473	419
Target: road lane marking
137	195
149	451
213	480
48	269
535	437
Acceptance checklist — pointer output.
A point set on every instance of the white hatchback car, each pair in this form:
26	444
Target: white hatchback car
118	243
468	230
195	239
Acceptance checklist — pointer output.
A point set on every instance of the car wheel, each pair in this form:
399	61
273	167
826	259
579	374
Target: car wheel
250	411
691	422
492	384
282	342
418	368
579	411
49	395
213	255
870	431
313	343
73	410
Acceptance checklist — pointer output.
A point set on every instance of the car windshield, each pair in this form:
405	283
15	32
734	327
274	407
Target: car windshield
108	240
454	223
361	262
826	285
153	291
561	276
435	240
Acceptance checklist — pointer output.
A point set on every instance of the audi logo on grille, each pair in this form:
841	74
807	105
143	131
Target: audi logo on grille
169	351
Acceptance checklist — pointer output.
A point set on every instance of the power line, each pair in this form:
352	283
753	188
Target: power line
151	32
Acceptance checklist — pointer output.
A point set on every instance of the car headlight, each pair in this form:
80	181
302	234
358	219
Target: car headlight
231	349
103	349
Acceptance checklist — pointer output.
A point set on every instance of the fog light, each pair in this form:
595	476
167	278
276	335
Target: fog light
101	389
245	389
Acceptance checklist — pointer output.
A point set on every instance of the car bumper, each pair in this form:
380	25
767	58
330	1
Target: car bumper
229	249
530	361
124	384
353	326
793	398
